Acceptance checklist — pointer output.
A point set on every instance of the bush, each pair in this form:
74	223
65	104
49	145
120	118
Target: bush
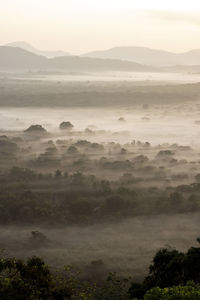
188	292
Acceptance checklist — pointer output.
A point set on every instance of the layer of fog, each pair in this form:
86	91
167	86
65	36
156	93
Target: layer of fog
172	124
127	247
148	77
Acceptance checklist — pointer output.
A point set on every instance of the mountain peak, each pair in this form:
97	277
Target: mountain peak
29	47
21	44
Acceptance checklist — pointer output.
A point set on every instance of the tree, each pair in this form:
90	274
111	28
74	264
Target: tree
72	150
192	264
66	126
31	280
35	129
167	269
58	174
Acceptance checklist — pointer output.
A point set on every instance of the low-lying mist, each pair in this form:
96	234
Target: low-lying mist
156	124
126	248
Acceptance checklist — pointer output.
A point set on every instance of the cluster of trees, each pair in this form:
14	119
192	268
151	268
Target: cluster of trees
173	275
170	268
28	197
148	165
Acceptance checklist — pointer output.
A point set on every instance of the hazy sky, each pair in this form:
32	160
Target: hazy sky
79	26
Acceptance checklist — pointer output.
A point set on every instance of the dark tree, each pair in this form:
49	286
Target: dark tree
66	126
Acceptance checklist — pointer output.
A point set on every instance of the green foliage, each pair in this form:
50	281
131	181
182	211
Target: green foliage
167	268
30	280
34	280
188	292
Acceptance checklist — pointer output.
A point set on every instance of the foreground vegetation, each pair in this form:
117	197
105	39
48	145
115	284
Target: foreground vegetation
172	275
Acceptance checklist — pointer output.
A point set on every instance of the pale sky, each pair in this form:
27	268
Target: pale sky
79	26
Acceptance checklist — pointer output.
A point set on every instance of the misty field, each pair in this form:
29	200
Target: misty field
126	247
153	111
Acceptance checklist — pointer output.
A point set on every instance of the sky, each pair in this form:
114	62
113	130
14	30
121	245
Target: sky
79	26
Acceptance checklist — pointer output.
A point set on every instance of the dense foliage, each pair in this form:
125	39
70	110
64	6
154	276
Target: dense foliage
81	182
173	275
188	292
27	197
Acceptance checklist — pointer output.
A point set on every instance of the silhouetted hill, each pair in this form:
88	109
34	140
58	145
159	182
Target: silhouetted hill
148	56
28	47
17	59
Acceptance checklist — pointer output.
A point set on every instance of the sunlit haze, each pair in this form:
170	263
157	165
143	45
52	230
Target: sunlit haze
78	26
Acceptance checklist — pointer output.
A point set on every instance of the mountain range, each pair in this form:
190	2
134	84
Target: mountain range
21	56
148	56
17	59
140	55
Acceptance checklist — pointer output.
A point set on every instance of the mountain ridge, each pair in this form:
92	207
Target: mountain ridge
17	59
148	56
29	47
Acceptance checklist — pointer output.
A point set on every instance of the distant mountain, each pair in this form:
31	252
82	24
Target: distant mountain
28	47
148	56
14	59
17	59
140	56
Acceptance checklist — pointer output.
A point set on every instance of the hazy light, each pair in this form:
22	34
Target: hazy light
84	25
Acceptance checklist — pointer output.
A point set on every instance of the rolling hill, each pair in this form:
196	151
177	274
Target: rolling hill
148	56
17	59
